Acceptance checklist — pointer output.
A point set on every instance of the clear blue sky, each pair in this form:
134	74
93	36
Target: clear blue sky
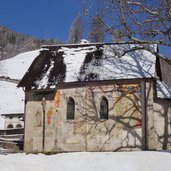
39	18
43	18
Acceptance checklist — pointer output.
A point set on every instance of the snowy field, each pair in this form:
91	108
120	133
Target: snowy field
117	161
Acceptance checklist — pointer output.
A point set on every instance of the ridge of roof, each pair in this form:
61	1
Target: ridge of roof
91	44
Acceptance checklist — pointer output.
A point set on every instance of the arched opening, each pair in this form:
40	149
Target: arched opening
18	126
70	109
10	126
104	108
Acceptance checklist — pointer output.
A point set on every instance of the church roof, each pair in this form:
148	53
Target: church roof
88	62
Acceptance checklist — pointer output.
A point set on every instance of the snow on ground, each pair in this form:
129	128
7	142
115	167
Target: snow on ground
86	161
17	66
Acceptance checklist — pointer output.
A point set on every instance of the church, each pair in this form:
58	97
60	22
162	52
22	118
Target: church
97	97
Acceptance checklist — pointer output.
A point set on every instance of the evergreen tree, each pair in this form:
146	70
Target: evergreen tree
76	30
97	30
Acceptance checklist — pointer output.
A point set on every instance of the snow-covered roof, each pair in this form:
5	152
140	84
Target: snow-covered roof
16	67
163	91
12	98
11	101
88	62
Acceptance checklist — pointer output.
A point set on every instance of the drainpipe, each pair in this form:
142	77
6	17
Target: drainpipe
144	115
44	110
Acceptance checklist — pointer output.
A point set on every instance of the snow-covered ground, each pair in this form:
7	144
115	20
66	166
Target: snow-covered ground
116	161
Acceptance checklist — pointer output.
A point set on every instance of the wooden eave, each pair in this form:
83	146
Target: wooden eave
92	83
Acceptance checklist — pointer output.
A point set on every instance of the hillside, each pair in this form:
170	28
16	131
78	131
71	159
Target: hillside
13	43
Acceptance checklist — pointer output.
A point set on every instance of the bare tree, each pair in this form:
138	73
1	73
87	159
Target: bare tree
140	21
76	30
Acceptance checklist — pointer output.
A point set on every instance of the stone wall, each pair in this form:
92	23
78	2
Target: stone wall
87	132
162	124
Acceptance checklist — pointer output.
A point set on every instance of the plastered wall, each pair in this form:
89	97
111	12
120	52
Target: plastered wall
162	124
87	132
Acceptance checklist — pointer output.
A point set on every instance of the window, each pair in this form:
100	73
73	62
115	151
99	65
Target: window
104	108
18	126
70	109
10	126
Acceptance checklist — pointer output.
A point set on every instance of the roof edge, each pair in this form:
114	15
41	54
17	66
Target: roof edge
90	44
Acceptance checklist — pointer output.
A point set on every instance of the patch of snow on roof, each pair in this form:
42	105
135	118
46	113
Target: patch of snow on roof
116	64
84	41
17	66
12	98
44	81
163	91
74	58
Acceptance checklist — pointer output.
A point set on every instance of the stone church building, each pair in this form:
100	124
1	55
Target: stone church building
97	97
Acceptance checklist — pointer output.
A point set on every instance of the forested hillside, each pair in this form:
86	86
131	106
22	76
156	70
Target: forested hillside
13	43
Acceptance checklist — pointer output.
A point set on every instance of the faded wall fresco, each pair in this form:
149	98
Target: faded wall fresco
49	116
57	98
127	105
38	118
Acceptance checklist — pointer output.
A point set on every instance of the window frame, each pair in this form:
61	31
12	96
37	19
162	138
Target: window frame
104	113
17	126
10	126
70	105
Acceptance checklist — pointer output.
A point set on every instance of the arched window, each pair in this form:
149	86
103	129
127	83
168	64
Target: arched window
104	108
10	126
18	126
70	109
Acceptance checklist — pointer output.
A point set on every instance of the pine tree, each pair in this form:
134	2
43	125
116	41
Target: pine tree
97	25
97	30
76	30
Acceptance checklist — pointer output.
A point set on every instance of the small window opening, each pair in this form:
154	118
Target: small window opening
104	108
18	126
70	109
10	126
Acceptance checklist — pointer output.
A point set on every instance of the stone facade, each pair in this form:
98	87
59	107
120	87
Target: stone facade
125	129
162	124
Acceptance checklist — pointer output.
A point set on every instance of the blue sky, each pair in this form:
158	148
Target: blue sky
43	18
40	18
